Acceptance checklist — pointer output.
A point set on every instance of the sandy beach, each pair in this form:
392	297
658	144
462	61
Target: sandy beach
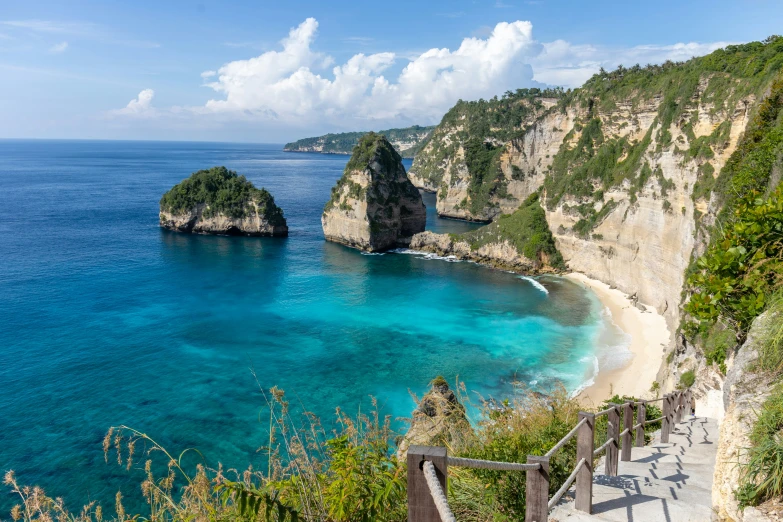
649	337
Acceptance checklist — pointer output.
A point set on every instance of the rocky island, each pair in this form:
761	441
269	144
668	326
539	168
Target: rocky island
218	201
373	205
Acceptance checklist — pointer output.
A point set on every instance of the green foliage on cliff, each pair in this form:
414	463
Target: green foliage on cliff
343	143
720	79
762	474
526	229
224	192
373	147
742	269
476	122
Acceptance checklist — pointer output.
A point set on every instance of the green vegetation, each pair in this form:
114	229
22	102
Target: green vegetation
475	125
346	474
526	229
596	163
373	147
687	379
223	192
741	270
762	475
733	282
343	143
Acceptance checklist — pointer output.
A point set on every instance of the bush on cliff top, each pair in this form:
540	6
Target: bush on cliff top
224	192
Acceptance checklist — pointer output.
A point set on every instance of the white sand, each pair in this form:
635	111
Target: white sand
649	337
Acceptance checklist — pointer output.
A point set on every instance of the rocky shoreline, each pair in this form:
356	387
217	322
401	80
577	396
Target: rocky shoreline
502	256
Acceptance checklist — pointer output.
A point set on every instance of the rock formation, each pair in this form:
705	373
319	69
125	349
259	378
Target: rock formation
520	241
373	205
218	201
438	419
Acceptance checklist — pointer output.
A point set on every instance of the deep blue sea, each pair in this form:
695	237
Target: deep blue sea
106	319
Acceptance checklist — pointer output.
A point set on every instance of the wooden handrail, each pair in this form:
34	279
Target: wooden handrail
426	481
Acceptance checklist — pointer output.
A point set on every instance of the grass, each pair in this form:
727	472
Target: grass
762	475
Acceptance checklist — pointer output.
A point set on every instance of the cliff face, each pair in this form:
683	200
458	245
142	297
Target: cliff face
218	201
639	233
473	161
744	392
374	206
626	166
255	222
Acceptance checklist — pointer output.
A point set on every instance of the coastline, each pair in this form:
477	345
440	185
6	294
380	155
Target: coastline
649	336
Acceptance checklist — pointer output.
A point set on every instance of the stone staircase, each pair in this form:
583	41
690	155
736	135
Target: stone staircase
669	482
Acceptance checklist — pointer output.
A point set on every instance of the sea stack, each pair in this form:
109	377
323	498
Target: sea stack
218	201
374	206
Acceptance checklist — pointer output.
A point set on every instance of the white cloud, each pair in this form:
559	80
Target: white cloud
58	48
288	85
141	106
296	86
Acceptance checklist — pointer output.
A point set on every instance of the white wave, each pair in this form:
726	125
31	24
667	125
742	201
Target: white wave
425	255
590	380
373	253
535	283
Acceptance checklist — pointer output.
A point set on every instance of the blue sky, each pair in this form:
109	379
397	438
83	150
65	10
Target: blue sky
274	71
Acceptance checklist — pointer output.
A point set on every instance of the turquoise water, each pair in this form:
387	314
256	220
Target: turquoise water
106	319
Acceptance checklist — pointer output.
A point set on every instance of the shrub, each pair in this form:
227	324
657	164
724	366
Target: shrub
687	379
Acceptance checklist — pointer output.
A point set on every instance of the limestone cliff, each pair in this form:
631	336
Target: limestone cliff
744	392
474	158
218	201
626	164
373	205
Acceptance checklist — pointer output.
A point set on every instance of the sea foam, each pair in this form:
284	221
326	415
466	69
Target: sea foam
535	283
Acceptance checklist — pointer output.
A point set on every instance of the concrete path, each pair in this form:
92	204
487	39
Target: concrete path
662	483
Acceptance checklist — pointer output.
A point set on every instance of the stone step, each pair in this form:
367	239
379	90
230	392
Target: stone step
636	508
647	456
691	474
605	488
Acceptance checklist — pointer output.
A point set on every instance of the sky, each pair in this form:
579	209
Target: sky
258	71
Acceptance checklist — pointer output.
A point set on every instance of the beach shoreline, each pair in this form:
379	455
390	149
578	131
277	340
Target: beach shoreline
649	336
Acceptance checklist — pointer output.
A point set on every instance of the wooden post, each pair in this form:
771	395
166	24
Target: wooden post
689	402
641	417
628	437
612	450
678	408
537	490
666	404
421	506
585	441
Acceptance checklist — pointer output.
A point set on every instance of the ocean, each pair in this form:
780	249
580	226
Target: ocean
105	319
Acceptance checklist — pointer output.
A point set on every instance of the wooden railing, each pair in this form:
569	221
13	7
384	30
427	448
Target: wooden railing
428	466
